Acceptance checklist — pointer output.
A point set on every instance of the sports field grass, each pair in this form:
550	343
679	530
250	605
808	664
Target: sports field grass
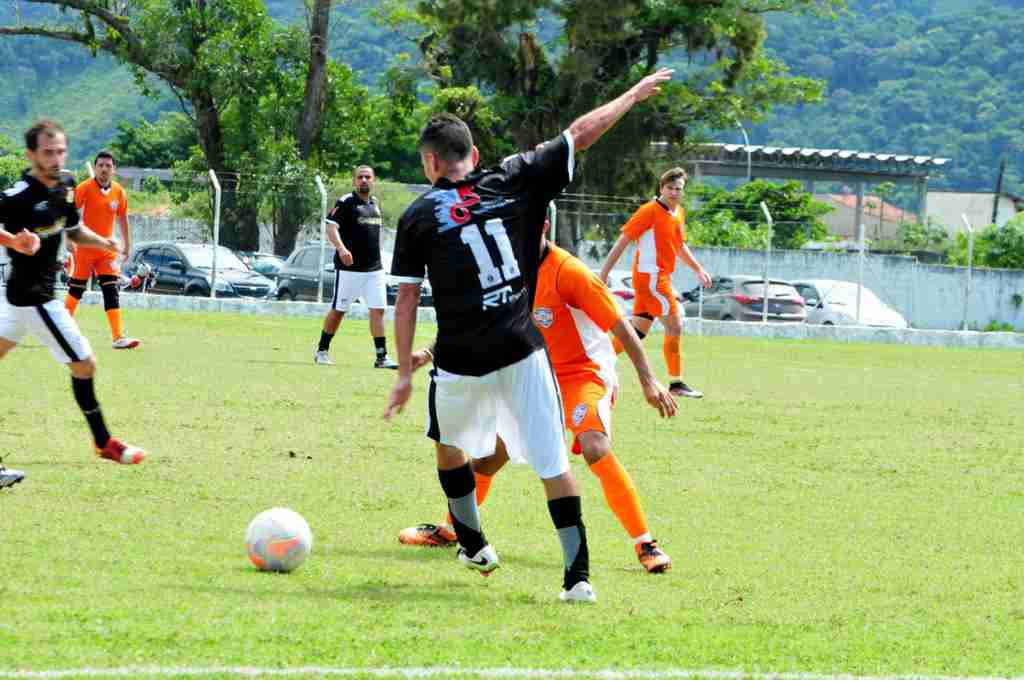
829	509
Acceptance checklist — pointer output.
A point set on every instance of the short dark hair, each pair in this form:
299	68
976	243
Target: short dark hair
672	175
104	154
448	136
43	126
355	170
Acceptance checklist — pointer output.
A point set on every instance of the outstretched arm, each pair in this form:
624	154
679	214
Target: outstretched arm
654	392
589	127
405	329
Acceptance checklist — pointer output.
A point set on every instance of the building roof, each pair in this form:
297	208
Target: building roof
810	155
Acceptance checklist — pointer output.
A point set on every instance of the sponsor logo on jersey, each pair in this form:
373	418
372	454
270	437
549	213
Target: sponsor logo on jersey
113	206
578	414
543	317
452	207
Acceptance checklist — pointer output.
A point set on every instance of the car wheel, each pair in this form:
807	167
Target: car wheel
285	295
727	318
196	291
828	323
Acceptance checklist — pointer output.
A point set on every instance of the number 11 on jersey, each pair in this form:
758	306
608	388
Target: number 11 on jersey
490	273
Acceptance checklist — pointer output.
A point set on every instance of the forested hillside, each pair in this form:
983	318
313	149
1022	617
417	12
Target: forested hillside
913	76
936	77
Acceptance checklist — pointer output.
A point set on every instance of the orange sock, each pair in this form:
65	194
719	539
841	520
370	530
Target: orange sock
70	304
483	485
673	351
621	495
114	317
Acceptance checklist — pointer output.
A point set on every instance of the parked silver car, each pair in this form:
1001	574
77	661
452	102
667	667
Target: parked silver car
834	303
741	298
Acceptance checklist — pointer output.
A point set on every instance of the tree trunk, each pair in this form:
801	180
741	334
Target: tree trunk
311	118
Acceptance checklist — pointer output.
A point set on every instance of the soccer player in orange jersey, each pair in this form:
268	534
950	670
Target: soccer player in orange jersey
100	200
574	312
658	228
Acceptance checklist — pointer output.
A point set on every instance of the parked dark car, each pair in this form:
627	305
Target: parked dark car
267	264
297	279
185	268
741	298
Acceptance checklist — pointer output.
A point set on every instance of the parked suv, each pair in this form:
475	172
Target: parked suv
297	279
741	298
185	268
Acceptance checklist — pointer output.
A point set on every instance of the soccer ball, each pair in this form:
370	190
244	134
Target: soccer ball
278	540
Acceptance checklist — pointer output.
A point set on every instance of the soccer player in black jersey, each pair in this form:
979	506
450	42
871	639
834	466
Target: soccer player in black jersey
476	233
34	213
353	228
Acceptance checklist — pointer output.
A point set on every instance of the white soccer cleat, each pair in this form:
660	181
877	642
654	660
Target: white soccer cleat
322	358
485	561
124	342
581	592
10	477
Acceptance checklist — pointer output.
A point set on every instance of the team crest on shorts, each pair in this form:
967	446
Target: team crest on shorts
543	317
578	414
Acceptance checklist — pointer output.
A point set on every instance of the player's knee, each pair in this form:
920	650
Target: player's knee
639	333
111	296
672	325
594	446
84	369
76	288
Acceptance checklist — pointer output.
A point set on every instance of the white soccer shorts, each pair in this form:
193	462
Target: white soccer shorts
520	402
351	285
50	324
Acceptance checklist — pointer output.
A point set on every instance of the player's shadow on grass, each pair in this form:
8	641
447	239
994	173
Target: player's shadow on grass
279	362
376	589
509	558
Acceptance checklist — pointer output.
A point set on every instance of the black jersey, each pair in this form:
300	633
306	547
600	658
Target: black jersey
47	212
479	239
358	224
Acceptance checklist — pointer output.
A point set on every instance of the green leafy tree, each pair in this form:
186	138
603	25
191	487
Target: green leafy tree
154	145
537	86
795	213
217	57
998	247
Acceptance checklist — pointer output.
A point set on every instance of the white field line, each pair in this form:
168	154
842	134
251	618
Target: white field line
458	671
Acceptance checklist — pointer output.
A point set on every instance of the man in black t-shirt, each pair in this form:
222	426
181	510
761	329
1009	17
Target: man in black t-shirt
476	232
353	228
35	212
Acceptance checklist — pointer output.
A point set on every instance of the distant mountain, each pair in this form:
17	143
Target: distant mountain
928	77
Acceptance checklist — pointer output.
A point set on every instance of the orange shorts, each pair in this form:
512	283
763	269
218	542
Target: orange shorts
587	404
654	295
89	260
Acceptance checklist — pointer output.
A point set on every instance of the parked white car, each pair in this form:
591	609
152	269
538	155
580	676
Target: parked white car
834	303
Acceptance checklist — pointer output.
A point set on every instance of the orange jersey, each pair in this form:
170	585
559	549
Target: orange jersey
659	234
99	207
574	310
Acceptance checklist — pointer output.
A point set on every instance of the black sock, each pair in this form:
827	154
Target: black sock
460	487
567	515
325	341
381	345
85	395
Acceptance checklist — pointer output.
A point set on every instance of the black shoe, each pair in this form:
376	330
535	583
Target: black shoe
681	389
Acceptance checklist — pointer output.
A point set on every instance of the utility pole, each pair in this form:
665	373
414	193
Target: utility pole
999	192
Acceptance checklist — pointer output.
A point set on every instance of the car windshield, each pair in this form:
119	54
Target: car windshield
201	256
775	289
845	293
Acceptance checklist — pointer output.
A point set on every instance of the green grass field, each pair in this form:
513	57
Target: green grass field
829	509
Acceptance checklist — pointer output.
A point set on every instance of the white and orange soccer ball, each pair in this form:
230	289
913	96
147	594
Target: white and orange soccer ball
278	539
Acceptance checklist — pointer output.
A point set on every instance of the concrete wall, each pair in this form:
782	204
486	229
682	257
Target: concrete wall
929	296
693	326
